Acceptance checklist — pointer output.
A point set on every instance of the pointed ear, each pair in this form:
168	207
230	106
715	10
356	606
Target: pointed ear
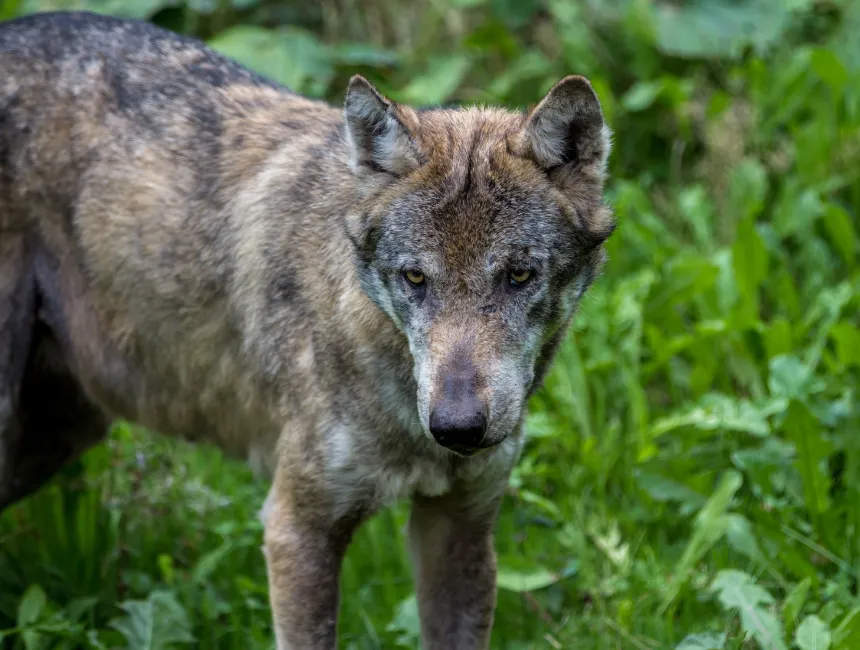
378	131
567	128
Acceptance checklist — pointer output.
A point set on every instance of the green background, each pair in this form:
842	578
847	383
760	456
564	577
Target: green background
692	473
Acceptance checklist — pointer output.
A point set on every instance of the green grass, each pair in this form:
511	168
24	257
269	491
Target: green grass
692	476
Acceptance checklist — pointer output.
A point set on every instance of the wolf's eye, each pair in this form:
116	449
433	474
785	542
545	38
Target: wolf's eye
415	278
519	277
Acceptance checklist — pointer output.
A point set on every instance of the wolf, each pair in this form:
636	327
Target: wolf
358	300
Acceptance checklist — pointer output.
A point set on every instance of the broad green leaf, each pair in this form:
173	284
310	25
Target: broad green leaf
663	489
441	80
789	377
31	606
544	424
76	608
795	601
830	611
738	591
831	70
748	187
363	54
845	41
715	411
642	95
291	56
741	537
406	623
847	635
797	210
824	314
30	610
773	453
750	264
255	47
695	203
813	634
846	335
158	623
33	638
778	338
813	450
769	468
841	233
703	29
707	641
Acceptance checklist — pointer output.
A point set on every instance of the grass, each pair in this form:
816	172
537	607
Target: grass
692	476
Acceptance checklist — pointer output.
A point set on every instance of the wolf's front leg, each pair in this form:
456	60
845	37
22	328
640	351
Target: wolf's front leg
304	549
455	570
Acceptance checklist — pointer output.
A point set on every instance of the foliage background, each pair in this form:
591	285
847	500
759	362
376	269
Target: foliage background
692	475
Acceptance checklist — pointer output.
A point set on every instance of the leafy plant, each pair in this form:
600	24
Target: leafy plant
157	623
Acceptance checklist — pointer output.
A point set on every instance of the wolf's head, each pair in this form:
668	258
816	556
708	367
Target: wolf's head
477	232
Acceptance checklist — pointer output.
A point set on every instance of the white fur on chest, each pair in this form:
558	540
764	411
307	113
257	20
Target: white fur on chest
356	472
353	479
354	464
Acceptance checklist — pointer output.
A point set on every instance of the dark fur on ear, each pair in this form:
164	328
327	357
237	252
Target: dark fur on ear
379	131
567	128
566	136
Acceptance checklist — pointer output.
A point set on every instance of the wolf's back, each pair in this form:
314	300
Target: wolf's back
77	87
69	38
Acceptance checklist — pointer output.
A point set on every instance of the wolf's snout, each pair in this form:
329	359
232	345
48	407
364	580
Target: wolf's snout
457	418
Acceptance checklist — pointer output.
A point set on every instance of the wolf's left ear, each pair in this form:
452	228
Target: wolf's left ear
567	129
378	131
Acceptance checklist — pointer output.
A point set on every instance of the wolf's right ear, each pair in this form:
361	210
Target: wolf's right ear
378	131
566	130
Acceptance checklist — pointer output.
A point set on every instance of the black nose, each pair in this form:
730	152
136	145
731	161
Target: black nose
457	430
457	418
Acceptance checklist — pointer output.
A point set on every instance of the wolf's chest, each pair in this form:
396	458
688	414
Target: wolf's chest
384	472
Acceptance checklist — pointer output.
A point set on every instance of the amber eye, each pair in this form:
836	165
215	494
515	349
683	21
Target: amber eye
415	278
519	276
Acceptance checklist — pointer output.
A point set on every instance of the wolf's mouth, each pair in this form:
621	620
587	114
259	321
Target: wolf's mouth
464	450
468	450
